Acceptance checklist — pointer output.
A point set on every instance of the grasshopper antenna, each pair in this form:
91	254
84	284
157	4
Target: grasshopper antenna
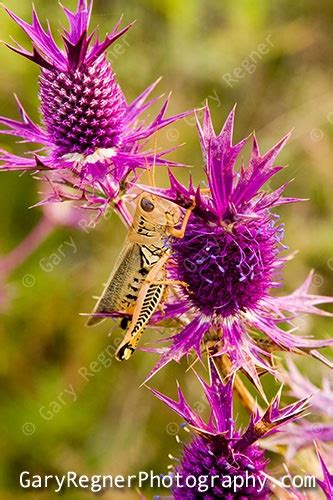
152	169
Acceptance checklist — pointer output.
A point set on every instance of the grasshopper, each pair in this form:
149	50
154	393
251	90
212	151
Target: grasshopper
138	281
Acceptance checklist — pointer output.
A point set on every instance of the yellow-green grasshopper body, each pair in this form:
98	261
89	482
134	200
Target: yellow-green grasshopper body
137	283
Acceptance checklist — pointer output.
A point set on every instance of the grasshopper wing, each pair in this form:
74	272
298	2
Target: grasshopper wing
119	294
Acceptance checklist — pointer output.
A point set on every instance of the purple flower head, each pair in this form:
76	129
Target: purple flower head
218	448
90	136
230	259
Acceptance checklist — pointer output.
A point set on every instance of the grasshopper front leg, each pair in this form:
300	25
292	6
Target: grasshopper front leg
149	298
179	233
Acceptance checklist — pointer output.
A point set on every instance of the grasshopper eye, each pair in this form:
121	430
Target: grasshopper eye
147	205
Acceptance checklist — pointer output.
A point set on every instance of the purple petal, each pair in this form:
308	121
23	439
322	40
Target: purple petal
302	302
273	418
100	47
139	104
219	397
158	123
78	20
327	483
182	408
259	171
43	40
285	339
26	128
13	162
220	156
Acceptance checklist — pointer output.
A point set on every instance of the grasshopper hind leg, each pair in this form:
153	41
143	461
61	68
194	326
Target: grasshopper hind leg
127	347
149	298
125	352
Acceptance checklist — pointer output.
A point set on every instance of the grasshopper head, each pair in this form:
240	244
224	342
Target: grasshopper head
158	210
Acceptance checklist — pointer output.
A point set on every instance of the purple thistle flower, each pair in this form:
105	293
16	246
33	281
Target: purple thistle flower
230	259
91	137
218	448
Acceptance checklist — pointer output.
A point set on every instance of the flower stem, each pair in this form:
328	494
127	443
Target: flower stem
122	211
31	242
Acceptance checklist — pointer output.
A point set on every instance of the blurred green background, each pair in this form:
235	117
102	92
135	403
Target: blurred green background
274	59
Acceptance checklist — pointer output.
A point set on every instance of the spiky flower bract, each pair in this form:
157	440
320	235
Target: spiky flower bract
219	449
230	259
91	138
326	483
